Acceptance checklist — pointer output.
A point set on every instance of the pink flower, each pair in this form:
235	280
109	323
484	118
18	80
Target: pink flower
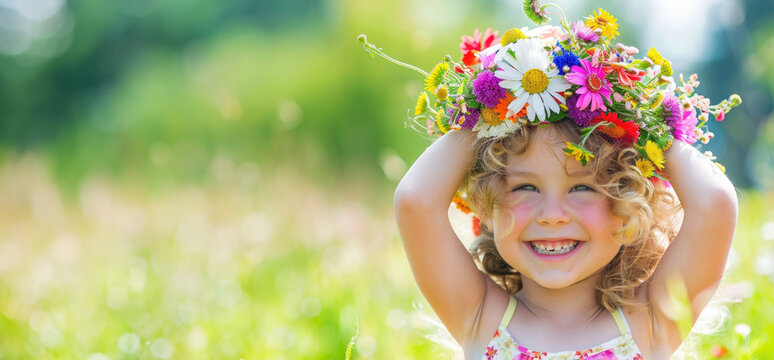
720	115
490	352
683	129
471	45
487	60
593	85
584	32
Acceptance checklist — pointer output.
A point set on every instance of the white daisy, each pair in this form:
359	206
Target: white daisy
504	128
527	74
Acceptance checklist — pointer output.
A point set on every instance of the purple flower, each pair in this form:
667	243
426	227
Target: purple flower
487	89
471	119
584	32
580	116
593	85
673	111
683	129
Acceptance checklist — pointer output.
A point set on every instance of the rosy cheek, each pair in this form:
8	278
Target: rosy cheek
596	213
514	216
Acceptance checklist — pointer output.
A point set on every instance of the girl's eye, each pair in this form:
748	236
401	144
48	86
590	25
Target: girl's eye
525	187
582	188
529	187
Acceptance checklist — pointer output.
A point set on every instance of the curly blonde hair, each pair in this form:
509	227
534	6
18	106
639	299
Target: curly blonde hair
648	210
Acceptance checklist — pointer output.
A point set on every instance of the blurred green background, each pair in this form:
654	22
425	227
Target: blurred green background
193	179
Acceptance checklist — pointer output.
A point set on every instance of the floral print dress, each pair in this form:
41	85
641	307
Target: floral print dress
503	347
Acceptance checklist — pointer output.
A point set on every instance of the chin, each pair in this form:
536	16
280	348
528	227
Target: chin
556	279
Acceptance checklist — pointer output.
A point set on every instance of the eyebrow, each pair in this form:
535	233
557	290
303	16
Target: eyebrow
522	173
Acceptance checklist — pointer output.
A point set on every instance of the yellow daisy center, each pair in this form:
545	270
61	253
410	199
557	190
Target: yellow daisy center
511	35
534	81
489	116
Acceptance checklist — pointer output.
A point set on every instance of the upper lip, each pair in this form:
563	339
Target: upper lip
558	238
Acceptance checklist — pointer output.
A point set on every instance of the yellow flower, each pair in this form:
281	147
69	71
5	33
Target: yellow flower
645	167
656	100
721	167
421	104
436	76
441	124
655	154
654	55
666	68
578	152
441	93
511	36
605	22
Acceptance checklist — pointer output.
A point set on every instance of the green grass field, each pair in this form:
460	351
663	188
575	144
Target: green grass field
255	265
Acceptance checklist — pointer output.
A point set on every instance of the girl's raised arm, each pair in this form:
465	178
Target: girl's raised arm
442	267
697	255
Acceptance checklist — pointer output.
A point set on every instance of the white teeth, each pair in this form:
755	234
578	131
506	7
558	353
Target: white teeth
550	250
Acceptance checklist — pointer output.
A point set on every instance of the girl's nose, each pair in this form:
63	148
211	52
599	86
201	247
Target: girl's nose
552	212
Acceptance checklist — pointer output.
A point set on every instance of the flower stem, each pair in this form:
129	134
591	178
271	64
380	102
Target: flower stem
588	133
563	23
377	51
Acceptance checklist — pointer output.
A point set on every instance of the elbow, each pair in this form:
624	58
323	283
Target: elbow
728	199
722	205
406	200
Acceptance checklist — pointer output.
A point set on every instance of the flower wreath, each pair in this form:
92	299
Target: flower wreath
541	75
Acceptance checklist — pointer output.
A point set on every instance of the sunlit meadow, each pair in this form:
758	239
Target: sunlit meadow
218	185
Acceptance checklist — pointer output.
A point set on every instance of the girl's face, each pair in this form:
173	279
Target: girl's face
554	227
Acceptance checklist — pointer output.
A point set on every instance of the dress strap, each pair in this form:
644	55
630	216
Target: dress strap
508	312
620	320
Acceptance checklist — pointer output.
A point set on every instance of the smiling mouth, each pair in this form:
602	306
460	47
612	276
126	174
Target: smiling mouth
554	247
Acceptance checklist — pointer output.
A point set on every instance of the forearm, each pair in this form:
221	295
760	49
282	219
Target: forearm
435	176
698	183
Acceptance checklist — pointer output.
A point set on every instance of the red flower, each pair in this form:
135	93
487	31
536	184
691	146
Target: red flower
490	352
476	226
470	46
625	78
625	132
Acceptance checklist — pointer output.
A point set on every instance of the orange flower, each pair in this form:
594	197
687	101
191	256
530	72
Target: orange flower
462	205
502	108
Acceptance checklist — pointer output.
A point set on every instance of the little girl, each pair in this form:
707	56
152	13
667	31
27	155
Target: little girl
581	239
563	281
